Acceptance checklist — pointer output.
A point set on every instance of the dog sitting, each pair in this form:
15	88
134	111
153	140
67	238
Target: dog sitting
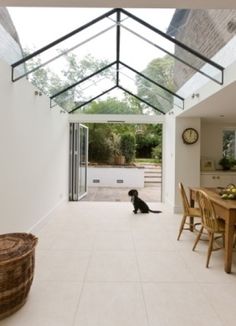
139	204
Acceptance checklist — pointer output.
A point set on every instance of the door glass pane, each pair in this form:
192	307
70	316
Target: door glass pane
83	161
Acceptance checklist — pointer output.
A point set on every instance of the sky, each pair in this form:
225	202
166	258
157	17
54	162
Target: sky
39	26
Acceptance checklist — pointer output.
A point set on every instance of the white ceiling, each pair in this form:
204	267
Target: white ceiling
221	106
122	3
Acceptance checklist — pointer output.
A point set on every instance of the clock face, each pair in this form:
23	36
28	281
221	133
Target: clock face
190	136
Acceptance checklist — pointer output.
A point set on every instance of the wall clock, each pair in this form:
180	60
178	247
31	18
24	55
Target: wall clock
190	136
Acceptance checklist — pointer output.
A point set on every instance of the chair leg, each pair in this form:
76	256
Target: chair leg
181	226
198	238
210	246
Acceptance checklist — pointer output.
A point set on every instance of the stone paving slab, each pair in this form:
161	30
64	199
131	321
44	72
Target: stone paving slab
148	194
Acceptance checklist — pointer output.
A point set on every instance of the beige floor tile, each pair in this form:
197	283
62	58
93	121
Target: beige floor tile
178	304
113	266
49	304
196	262
114	240
114	222
111	304
222	299
59	265
153	240
74	240
147	221
163	266
45	240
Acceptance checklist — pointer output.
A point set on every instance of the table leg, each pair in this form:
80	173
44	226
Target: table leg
192	203
191	221
229	239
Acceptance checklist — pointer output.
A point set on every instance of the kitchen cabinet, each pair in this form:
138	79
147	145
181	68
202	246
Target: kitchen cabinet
217	178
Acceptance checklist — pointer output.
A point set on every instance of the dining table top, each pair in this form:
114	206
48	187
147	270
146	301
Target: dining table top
214	195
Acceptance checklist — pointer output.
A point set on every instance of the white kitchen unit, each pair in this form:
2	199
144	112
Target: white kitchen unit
217	178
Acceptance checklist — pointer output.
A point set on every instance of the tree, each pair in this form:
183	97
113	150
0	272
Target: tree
111	106
51	81
101	146
150	137
127	145
159	70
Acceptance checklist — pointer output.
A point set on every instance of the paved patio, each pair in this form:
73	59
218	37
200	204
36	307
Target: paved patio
148	194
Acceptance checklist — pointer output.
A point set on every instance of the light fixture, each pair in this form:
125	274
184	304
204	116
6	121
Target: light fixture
231	26
38	93
195	95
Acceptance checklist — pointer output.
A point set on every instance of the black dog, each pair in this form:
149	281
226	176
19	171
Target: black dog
138	203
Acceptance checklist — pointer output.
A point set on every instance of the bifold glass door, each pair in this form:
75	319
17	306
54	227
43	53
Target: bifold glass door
78	161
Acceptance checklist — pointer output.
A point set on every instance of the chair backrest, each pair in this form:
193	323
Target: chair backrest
209	218
184	198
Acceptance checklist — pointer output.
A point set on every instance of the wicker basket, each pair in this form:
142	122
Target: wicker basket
17	254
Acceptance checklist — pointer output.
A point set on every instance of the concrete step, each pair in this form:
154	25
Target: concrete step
152	176
151	184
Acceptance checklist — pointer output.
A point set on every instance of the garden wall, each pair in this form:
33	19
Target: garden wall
113	176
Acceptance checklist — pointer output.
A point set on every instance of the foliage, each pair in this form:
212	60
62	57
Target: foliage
151	136
111	106
107	138
159	70
100	143
157	153
116	144
51	82
229	143
127	144
105	141
227	162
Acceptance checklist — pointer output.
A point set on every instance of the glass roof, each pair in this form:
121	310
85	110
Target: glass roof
92	61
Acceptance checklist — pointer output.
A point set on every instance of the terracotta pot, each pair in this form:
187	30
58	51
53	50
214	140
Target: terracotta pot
119	159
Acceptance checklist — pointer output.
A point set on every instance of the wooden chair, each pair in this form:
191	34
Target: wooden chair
188	211
214	226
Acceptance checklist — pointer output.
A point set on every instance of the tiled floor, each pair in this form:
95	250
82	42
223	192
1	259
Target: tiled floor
98	264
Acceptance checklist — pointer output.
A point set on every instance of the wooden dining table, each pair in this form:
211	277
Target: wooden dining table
226	209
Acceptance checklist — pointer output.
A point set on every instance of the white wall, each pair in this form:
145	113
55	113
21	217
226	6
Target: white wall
182	162
187	164
168	164
34	155
212	139
10	51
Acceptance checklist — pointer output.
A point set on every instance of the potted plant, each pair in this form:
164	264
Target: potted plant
227	162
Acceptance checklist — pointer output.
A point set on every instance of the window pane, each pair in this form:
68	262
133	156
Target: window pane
229	143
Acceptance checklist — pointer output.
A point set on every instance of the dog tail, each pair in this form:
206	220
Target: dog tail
154	211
